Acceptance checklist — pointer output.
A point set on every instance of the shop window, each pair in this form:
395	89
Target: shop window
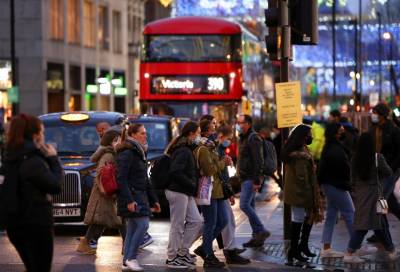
75	78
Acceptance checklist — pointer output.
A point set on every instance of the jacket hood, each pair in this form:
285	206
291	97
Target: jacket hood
132	145
101	150
27	148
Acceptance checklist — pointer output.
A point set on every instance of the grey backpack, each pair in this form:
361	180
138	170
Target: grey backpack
270	158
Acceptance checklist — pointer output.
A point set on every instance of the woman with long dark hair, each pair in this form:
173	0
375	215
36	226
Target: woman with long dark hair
369	169
334	177
136	198
38	174
300	190
186	221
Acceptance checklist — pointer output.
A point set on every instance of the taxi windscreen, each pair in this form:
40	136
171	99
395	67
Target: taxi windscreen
72	140
157	134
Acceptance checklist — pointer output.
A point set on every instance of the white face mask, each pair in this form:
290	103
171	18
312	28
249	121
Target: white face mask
375	118
273	135
197	140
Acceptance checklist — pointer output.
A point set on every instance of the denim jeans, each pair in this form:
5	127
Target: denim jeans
215	220
136	228
383	235
337	201
247	205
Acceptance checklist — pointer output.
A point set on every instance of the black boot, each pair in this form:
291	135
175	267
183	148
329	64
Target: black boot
294	252
212	262
232	257
305	235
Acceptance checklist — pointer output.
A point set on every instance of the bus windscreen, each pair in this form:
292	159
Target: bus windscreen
192	48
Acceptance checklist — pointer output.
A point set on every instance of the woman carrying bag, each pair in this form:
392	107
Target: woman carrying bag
369	169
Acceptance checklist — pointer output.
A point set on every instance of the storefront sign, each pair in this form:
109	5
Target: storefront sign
288	103
91	89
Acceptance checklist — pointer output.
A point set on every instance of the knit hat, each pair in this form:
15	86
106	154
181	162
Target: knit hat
381	109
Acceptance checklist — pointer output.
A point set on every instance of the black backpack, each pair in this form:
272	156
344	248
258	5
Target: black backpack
159	172
270	157
11	192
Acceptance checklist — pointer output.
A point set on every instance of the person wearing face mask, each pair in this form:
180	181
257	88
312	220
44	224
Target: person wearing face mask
213	127
301	191
334	177
136	198
251	174
186	221
387	142
101	210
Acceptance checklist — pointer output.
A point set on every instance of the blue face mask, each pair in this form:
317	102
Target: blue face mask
238	128
226	143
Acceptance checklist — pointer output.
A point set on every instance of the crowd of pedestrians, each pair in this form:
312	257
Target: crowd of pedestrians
353	173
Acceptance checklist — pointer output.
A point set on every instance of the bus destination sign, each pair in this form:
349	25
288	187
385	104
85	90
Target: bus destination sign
214	84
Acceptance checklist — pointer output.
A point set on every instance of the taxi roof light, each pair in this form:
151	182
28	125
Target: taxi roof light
74	117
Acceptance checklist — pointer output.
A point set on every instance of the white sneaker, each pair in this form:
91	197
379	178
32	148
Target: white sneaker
330	253
366	250
133	265
393	255
353	259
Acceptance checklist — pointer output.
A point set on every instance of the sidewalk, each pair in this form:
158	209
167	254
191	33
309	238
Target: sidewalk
271	214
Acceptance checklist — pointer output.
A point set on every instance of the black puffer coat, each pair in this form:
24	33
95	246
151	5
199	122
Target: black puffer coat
133	181
40	177
183	173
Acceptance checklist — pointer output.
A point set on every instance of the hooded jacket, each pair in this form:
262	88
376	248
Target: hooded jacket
133	181
183	173
102	209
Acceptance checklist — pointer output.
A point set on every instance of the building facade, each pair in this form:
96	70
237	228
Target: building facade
71	54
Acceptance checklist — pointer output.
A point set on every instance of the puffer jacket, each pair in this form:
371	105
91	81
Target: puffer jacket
40	177
102	209
183	174
133	181
250	160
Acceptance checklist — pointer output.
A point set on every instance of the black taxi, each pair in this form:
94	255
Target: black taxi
75	137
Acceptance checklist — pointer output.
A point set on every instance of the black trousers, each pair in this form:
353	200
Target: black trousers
34	245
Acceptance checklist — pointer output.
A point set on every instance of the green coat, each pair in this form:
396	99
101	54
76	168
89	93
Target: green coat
210	165
300	180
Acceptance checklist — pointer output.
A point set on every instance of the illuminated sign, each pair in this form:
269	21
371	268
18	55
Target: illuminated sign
120	91
92	89
190	85
105	88
74	117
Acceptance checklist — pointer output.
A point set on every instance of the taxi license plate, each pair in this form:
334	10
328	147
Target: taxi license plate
66	212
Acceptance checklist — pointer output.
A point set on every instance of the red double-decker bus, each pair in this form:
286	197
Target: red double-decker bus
196	59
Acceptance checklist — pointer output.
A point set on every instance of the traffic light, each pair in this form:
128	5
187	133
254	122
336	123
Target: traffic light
272	21
304	21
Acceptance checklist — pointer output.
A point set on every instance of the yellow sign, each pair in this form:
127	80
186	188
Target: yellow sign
288	103
74	117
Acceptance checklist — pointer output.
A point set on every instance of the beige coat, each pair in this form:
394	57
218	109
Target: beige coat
101	209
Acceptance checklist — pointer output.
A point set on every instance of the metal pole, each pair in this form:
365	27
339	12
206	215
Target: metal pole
356	63
13	58
359	45
334	49
392	78
284	77
378	14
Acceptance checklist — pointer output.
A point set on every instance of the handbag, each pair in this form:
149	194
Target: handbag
382	206
205	186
